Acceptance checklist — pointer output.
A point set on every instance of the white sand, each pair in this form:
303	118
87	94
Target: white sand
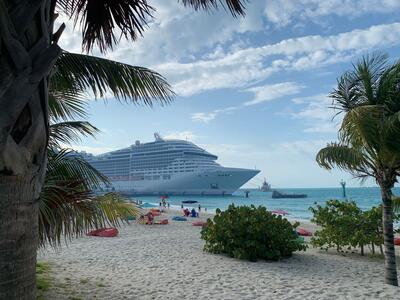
167	262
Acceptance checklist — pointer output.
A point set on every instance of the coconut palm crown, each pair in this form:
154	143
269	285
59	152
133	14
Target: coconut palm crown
369	137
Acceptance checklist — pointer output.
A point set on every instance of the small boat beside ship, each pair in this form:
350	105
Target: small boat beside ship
279	195
266	187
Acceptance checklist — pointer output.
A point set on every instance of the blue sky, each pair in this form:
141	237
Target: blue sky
251	90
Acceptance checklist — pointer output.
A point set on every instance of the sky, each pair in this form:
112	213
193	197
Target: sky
252	90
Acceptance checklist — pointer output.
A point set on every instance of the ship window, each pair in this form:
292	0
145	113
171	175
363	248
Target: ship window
214	186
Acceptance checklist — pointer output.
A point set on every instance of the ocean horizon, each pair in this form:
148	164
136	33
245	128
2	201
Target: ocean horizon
298	209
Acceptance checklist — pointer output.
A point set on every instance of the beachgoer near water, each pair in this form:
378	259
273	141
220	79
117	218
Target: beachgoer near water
199	207
150	218
194	214
186	212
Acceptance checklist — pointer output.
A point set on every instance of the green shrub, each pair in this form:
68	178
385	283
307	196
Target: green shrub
345	225
247	232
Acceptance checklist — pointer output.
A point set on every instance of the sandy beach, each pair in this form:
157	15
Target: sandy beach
167	262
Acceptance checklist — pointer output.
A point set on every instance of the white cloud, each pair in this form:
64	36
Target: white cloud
271	92
181	135
285	12
197	51
206	117
251	65
317	114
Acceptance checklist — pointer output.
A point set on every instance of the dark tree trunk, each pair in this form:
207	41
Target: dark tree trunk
27	55
388	237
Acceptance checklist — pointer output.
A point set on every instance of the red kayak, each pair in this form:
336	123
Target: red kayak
397	241
104	232
199	223
304	232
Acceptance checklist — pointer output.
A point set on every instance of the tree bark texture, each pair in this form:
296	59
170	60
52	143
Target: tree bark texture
27	54
388	237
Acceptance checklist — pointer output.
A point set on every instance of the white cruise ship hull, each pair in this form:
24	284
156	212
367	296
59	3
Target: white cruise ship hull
223	181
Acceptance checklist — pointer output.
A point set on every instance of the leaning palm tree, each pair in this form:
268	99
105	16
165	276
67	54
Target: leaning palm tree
68	207
369	137
29	49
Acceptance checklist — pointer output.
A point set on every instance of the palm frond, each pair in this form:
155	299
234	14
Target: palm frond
345	96
236	7
343	157
66	105
67	213
65	165
389	88
69	132
369	70
396	204
125	82
100	21
360	126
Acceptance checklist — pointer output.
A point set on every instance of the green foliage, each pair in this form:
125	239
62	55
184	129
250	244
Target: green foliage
369	136
43	281
345	225
247	232
78	75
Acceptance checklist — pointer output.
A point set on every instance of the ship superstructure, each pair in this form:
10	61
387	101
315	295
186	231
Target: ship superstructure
173	167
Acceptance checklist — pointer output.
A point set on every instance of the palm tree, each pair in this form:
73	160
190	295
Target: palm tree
29	49
67	204
369	137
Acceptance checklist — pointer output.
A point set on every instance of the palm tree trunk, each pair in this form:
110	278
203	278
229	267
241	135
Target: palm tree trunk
388	237
18	237
27	54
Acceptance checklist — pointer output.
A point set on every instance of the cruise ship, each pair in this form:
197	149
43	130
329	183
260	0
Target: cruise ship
168	167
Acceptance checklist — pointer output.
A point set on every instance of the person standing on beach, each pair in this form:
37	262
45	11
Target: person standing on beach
199	207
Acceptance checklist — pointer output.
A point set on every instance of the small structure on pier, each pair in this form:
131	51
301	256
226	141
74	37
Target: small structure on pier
343	184
246	193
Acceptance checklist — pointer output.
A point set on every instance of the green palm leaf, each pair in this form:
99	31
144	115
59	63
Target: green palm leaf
343	157
125	82
69	132
65	165
67	206
66	103
236	7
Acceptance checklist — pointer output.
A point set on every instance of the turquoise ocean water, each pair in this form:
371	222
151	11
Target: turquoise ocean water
366	197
